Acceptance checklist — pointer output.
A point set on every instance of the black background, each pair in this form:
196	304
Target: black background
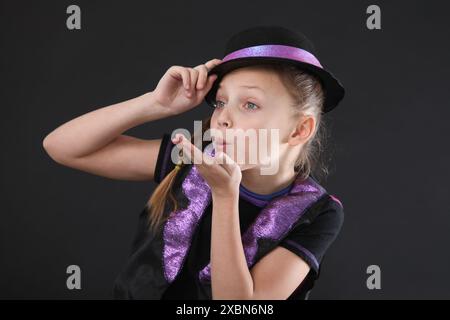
389	135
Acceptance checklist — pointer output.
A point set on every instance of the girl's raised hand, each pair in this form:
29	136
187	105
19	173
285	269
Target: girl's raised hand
222	174
183	88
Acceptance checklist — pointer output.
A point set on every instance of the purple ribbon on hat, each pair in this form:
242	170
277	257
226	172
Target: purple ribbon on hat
275	51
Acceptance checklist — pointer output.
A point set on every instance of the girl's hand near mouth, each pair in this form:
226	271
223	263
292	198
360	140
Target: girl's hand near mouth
222	174
182	88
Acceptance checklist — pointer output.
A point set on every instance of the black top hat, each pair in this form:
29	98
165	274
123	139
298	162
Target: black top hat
274	44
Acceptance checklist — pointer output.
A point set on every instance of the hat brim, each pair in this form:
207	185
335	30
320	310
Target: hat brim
334	91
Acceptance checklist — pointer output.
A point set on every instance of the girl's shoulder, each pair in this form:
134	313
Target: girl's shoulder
329	205
314	235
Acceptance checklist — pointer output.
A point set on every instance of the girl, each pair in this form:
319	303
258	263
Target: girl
216	227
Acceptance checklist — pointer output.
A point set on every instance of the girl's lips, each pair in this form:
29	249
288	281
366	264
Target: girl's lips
223	145
220	141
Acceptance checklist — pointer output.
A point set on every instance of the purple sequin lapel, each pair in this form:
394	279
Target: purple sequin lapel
179	229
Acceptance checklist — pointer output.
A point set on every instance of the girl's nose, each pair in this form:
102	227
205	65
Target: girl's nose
224	119
225	123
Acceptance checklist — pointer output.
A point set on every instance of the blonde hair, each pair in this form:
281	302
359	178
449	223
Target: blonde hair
308	96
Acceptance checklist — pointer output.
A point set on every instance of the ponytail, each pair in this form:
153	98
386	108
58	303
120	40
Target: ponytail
157	202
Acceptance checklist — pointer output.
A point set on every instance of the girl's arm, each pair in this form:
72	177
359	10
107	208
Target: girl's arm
230	276
274	277
95	143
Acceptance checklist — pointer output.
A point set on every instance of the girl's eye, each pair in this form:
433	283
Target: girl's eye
252	106
218	104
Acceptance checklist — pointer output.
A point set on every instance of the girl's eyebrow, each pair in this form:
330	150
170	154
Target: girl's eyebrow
252	87
245	86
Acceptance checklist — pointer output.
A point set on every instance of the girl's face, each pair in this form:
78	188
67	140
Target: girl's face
254	114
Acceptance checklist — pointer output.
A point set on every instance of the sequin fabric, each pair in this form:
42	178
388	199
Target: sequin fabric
275	50
179	229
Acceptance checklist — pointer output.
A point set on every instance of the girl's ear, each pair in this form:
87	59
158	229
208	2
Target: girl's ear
303	130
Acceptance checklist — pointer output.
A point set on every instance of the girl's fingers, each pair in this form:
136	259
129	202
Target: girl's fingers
200	158
197	78
208	85
194	77
212	63
202	76
210	82
203	70
194	154
225	161
185	75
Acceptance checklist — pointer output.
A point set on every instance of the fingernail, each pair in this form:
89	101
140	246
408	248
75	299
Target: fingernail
178	137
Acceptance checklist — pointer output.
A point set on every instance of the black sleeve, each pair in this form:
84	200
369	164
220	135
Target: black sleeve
311	240
164	162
